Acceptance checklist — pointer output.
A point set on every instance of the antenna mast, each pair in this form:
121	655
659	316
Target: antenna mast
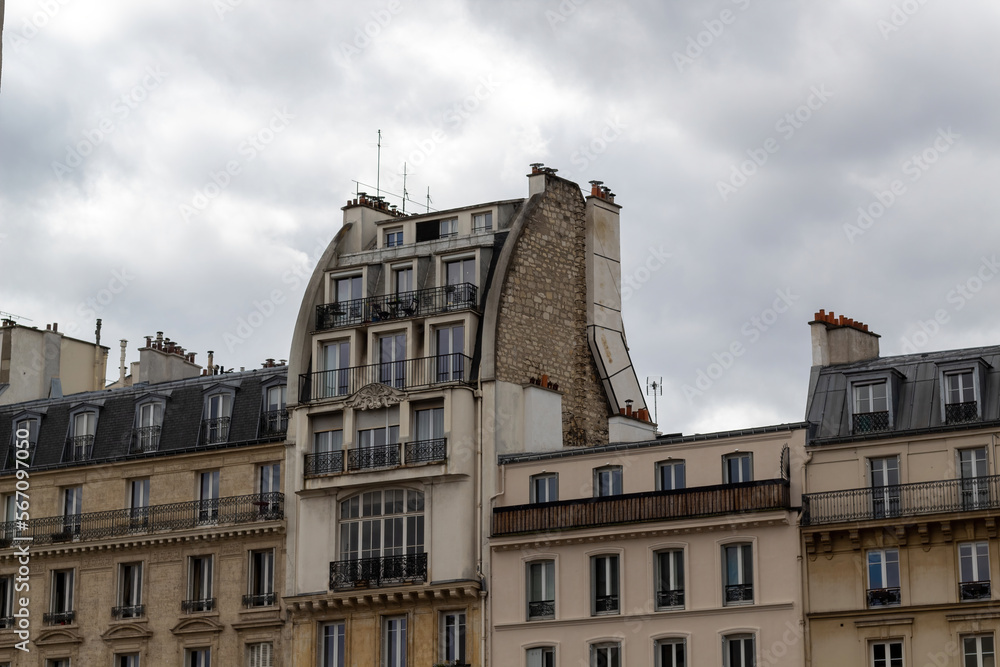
405	193
654	387
378	164
428	199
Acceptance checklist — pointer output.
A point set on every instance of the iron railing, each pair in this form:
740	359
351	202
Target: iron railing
216	430
206	604
78	448
145	439
961	413
403	374
698	501
383	456
259	600
739	593
155	518
130	611
604	604
416	303
366	458
542	609
884	597
324	463
273	422
974	590
59	618
670	598
375	572
871	422
425	451
6	622
951	495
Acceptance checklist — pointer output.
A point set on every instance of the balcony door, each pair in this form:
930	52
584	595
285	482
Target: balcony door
461	283
450	353
885	486
392	360
208	494
336	361
974	484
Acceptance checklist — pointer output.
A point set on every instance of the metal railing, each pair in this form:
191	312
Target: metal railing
375	572
206	604
974	590
403	374
425	451
871	422
78	448
953	495
259	600
216	430
366	458
961	413
324	463
415	303
884	597
739	593
145	439
59	618
131	611
155	518
383	456
604	604
670	598
542	609
698	501
273	422
6	622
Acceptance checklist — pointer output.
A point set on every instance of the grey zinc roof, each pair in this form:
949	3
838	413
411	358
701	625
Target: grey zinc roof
918	406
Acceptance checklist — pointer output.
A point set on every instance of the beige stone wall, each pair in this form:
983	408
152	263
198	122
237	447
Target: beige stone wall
542	325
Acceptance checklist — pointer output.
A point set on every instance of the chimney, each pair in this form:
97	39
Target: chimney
841	340
55	328
121	365
211	357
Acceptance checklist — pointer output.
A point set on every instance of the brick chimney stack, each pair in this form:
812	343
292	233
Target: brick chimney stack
841	340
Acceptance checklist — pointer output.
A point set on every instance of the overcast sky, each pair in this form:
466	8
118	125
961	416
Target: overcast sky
741	139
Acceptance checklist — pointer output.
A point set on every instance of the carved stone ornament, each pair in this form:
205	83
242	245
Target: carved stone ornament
374	396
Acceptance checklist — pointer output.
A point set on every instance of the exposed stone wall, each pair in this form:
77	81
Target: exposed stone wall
542	325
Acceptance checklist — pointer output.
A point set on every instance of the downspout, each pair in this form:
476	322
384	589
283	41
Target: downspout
807	647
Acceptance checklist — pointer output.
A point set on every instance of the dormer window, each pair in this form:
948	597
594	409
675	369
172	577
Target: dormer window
218	412
23	437
394	237
82	429
274	417
871	407
148	422
449	227
482	222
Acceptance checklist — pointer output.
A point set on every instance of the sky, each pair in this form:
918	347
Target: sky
178	166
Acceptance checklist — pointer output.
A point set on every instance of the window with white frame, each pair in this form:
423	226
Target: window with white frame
393	237
199	589
450	353
452	644
269	478
973	472
83	427
208	496
218	414
138	502
429	424
887	653
392	360
974	571
482	222
334	378
739	651
23	437
394	641
885	486
58	662
10	516
670	475
347	289
737	468
198	657
448	227
545	488
127	660
72	508
604	584
607	481
260	654
148	423
380	524
737	571
260	588
883	578
871	407
129	591
959	387
670	652
334	644
274	419
669	579
61	598
541	656
402	281
541	580
978	651
7	602
606	654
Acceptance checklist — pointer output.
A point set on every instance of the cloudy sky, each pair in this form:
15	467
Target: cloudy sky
174	166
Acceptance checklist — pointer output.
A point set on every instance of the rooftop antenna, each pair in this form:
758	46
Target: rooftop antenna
378	164
405	193
654	388
12	317
428	199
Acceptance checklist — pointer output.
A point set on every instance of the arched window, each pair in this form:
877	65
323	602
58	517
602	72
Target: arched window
377	524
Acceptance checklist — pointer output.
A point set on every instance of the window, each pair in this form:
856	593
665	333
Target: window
129	591
148	422
887	654
387	525
738	651
392	360
607	481
393	237
261	584
460	272
333	645
403	282
260	654
541	589
545	488
482	222
347	289
885	486
543	656
376	448
883	578
978	651
199	595
451	353
737	468
960	398
670	475
72	508
138	502
208	494
61	598
80	445
269	478
10	517
198	657
606	655
7	602
218	410
274	420
670	653
328	453
670	579
24	436
453	637
974	571
335	375
448	227
871	407
430	424
974	485
61	662
127	660
737	565
394	642
604	584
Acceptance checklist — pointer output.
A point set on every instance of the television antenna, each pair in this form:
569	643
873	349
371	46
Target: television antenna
654	388
12	317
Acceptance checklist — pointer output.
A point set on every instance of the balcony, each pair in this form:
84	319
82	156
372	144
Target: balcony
974	590
417	303
606	604
870	422
413	453
921	498
144	440
542	609
884	597
192	606
739	593
153	519
259	600
324	463
59	618
78	448
7	623
405	374
961	413
215	430
273	422
669	599
376	572
130	611
771	494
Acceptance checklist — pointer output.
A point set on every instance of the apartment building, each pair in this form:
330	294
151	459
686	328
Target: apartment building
899	518
156	523
674	552
426	345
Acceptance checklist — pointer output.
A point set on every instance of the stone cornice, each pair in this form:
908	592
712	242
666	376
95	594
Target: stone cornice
382	598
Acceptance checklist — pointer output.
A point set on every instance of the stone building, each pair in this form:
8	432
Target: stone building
425	346
155	529
899	519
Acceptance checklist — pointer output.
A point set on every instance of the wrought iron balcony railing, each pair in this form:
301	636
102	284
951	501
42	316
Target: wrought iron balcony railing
605	604
59	618
154	519
78	448
871	422
371	458
416	303
259	600
736	593
205	604
542	609
6	622
273	422
129	611
884	597
771	494
216	430
669	599
403	374
375	572
961	413
974	590
145	439
943	496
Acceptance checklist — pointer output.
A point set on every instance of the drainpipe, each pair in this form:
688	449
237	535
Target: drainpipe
807	648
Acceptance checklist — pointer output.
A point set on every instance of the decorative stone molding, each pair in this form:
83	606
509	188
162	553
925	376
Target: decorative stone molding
201	624
58	637
127	632
374	396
